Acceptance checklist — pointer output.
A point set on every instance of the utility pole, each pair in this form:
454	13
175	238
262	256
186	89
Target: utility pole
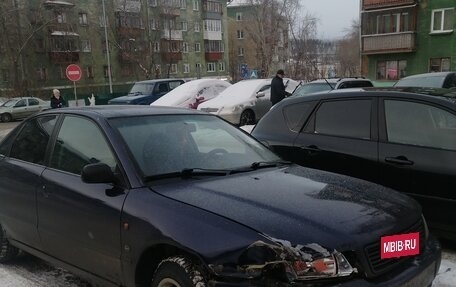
107	46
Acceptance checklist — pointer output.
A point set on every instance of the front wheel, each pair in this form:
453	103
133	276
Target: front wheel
177	272
247	118
7	251
6	117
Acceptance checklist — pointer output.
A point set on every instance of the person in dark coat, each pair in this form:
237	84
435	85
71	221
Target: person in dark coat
278	92
56	100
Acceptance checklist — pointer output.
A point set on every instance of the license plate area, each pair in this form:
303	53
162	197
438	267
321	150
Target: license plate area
396	246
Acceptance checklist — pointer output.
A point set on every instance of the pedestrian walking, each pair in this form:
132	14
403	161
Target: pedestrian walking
278	92
56	100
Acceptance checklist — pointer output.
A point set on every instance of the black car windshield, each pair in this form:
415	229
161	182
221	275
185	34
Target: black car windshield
164	144
313	88
142	89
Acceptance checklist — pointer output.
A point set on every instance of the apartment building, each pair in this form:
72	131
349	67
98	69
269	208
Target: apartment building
406	37
147	39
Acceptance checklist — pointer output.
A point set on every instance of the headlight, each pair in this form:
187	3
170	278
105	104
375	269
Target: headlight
298	263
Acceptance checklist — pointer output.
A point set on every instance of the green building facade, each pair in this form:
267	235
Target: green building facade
147	39
407	37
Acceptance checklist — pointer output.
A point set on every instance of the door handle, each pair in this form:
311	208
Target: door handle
311	148
399	160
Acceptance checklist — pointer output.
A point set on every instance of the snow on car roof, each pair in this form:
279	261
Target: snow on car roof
186	92
236	93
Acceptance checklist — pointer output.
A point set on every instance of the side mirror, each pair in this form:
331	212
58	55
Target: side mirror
97	173
260	94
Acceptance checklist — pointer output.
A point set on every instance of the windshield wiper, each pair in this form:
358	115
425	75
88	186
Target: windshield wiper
189	172
261	164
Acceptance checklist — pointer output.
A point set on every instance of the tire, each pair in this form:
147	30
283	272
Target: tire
177	272
6	117
7	251
247	118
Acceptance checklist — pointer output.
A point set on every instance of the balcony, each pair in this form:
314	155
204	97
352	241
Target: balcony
175	35
388	43
170	11
375	4
213	56
212	35
58	57
171	57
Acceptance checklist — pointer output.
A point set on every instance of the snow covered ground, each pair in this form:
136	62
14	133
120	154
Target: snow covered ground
28	271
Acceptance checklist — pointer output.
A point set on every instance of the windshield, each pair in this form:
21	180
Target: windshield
9	103
141	89
163	144
313	88
425	82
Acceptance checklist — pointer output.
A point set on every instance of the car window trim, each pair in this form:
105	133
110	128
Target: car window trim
309	127
383	137
124	179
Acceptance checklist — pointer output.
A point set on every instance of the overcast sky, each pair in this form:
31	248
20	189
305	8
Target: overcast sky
335	15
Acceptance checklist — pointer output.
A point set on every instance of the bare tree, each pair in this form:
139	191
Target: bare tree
348	52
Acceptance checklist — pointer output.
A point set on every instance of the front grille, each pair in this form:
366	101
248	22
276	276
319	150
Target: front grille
379	266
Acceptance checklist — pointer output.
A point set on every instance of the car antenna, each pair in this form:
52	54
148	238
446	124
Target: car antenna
326	80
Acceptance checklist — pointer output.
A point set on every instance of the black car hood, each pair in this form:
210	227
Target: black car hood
301	205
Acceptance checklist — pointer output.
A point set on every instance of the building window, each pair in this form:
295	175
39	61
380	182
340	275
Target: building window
391	70
153	3
173	69
197	26
185	47
184	26
61	17
211	67
195	5
198	68
106	71
41	74
240	51
213	25
239	16
85	46
197	47
186	68
89	72
83	19
183	4
221	66
240	34
442	20
153	24
439	65
156	46
62	73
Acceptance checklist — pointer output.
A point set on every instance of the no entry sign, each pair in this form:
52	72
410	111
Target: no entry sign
73	72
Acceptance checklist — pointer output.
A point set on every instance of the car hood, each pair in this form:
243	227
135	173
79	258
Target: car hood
5	109
301	205
125	99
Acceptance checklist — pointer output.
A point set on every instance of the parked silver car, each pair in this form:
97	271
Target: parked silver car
19	108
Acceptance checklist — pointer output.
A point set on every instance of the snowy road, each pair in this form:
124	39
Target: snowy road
28	271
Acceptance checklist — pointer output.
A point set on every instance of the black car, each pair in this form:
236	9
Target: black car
446	80
400	139
143	196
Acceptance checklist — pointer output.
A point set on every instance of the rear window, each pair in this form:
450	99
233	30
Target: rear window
313	88
295	115
355	84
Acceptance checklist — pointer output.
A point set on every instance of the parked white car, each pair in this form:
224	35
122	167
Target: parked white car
245	102
192	93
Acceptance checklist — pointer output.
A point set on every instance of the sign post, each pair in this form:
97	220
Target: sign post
74	73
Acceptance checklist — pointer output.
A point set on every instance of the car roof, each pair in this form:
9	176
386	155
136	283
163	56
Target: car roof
433	94
114	111
157	81
425	75
335	80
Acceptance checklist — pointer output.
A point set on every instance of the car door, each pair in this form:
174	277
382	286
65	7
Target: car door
20	109
79	223
263	101
417	152
341	136
33	106
20	173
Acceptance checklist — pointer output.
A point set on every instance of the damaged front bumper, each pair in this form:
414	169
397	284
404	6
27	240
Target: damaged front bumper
417	272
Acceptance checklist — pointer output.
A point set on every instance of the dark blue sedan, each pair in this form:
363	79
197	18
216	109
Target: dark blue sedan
141	196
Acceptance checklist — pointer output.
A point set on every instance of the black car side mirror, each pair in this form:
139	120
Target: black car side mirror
98	173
